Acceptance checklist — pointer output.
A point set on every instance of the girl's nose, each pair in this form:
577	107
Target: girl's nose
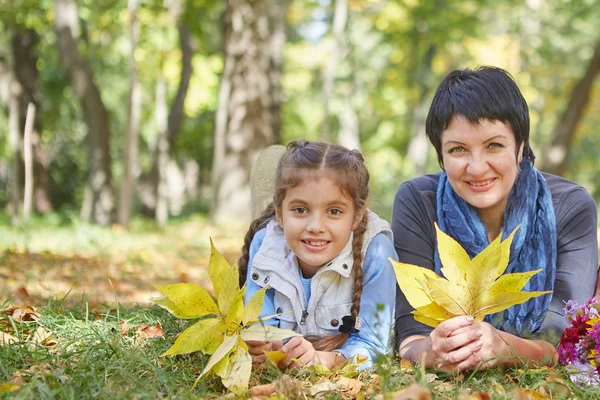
315	224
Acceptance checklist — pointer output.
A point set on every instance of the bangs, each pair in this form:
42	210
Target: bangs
292	177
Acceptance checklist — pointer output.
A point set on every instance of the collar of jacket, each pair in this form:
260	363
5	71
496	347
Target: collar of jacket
275	252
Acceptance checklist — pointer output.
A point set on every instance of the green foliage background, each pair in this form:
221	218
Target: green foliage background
395	54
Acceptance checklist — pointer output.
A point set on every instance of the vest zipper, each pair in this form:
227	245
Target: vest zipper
303	319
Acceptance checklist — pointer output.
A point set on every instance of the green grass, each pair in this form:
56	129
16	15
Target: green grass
91	357
92	360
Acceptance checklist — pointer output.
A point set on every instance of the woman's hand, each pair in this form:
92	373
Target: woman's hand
493	348
454	345
256	349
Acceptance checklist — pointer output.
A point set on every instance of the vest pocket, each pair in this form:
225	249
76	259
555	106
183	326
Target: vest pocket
329	318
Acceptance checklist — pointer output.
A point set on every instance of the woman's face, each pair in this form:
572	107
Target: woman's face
480	162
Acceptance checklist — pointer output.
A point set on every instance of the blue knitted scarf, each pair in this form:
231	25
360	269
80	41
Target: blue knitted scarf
533	247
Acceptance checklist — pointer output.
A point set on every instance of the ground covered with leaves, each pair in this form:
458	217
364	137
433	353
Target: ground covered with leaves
76	321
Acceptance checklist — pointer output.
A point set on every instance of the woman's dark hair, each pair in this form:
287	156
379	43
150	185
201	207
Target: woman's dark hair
486	93
308	160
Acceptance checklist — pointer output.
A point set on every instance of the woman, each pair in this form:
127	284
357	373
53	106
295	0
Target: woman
479	125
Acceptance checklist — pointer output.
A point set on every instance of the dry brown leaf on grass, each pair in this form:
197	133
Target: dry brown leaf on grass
323	385
527	394
6	338
412	392
124	328
43	336
286	386
352	386
22	313
145	331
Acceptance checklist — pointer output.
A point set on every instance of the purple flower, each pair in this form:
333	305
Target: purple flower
570	309
583	374
567	353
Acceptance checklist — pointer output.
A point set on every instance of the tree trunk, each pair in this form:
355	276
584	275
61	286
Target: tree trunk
149	183
24	53
28	161
133	123
557	157
278	10
244	119
418	148
340	17
162	148
99	202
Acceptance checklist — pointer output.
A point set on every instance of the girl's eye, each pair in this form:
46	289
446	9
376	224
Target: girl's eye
335	211
299	210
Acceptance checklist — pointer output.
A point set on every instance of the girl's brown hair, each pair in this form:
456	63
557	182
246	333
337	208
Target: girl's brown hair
303	160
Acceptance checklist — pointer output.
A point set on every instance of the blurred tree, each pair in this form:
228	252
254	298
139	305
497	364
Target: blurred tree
557	157
99	200
154	185
134	106
244	122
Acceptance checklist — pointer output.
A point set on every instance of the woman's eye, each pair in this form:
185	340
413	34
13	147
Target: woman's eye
457	149
495	146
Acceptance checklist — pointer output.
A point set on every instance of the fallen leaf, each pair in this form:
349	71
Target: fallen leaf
353	386
42	336
8	387
148	332
22	313
6	338
406	365
285	386
124	328
527	394
323	385
413	392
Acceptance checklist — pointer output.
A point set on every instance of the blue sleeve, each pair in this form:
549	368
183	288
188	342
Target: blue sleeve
376	304
251	287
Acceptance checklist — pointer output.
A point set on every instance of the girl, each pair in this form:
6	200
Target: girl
324	257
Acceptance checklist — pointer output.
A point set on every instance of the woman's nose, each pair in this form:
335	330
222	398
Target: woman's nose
478	165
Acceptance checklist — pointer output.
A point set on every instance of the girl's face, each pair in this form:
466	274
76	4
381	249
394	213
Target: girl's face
317	219
480	162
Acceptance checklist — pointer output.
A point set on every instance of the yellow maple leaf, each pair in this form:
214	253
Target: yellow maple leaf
476	287
223	325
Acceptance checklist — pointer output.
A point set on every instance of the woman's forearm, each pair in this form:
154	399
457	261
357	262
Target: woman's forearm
413	348
521	351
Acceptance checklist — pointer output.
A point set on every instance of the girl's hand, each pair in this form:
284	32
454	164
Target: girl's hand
454	345
302	350
255	348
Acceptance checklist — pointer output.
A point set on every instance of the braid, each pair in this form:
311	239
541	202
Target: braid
330	343
255	226
357	267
